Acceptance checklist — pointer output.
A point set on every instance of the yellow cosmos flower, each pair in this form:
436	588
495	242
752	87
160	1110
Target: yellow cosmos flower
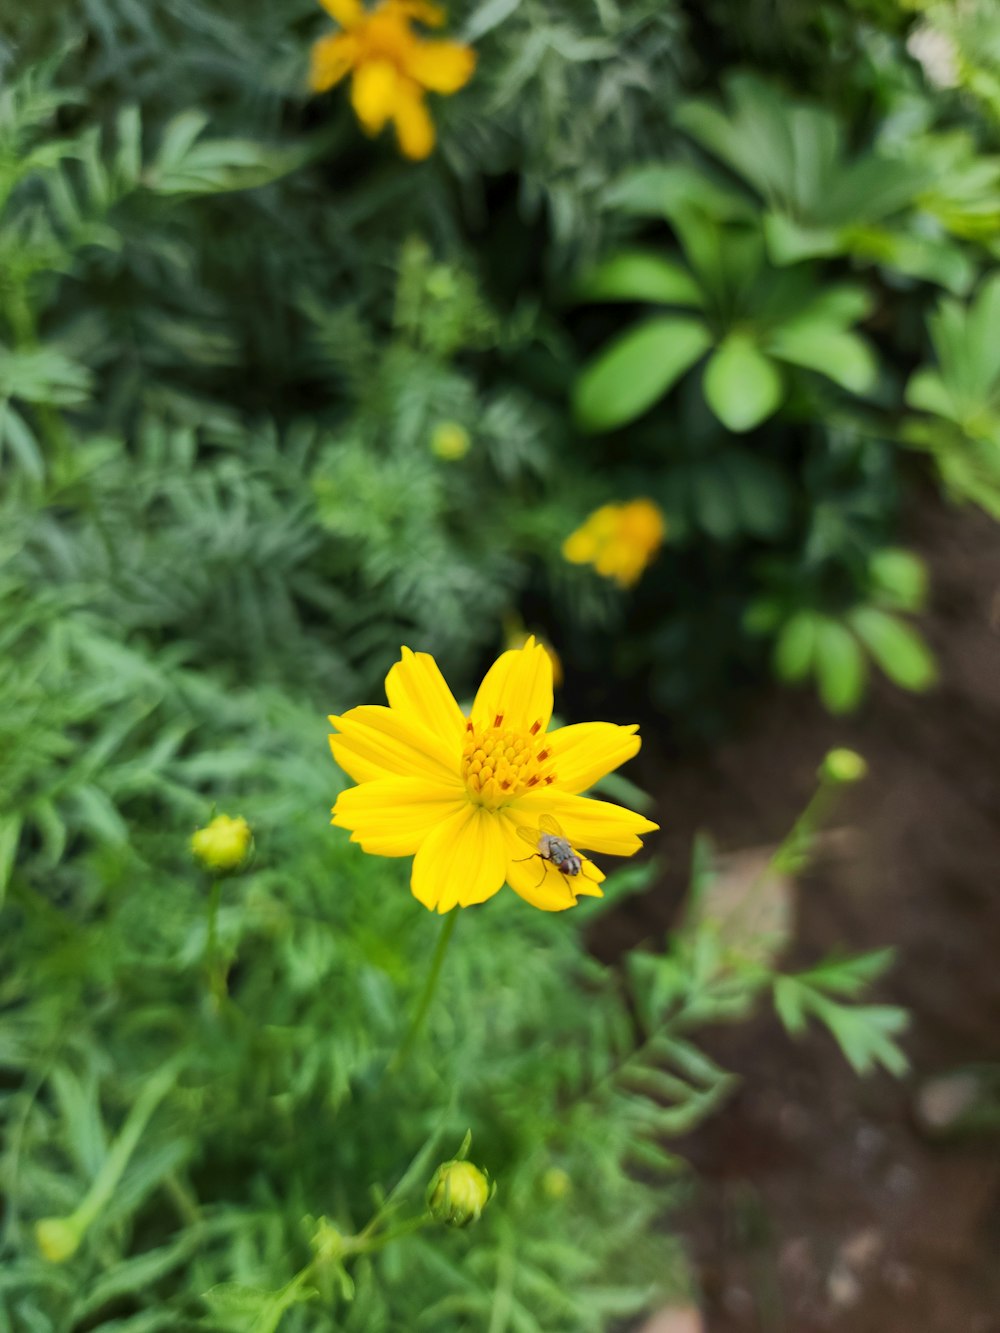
391	67
619	540
454	791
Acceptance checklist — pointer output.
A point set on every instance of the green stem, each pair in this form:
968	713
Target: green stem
430	986
214	966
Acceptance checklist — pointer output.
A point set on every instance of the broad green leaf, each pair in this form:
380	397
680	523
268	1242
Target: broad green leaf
634	370
656	191
843	357
713	499
789	242
927	392
896	647
901	576
640	275
839	666
793	652
742	385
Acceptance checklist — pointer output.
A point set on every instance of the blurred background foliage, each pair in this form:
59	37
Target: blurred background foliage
274	401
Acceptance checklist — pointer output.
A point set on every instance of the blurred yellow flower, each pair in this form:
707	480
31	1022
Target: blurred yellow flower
391	66
450	441
455	791
619	540
223	844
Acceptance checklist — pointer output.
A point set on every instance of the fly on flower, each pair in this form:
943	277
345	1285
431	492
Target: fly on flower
552	847
454	790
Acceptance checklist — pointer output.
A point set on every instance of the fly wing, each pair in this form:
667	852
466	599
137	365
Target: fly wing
547	824
529	835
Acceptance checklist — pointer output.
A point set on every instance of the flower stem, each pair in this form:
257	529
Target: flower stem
430	986
214	965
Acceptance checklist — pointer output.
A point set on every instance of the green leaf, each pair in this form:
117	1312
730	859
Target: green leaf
927	392
634	370
841	356
839	665
713	499
10	836
900	576
742	386
866	1034
896	647
788	242
640	275
793	652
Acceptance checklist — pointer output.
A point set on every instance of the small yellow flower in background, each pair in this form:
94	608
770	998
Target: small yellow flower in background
455	791
58	1238
391	66
222	846
458	1193
450	441
619	540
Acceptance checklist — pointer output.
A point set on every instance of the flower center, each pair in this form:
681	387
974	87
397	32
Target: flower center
499	763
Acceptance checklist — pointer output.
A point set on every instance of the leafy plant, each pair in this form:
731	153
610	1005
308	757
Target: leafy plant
760	320
835	645
819	200
961	397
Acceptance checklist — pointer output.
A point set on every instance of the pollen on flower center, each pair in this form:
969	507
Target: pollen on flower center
499	763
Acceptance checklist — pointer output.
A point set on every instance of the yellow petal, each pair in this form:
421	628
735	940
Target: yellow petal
441	67
331	58
518	687
597	825
374	92
347	13
461	862
417	691
414	127
376	742
583	753
394	816
537	880
421	10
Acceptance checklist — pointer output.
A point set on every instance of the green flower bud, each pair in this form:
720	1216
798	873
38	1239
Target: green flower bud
58	1238
556	1183
450	441
222	846
844	766
458	1193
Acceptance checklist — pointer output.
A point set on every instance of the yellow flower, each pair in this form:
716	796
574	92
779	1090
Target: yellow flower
514	636
223	844
453	791
619	540
58	1238
450	441
391	66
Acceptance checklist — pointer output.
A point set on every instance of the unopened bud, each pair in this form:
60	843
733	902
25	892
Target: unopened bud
58	1238
844	766
222	846
458	1193
450	441
556	1183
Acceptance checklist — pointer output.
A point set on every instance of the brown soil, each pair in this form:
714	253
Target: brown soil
822	1205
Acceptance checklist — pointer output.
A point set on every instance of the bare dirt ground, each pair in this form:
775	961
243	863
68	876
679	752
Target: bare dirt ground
824	1205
